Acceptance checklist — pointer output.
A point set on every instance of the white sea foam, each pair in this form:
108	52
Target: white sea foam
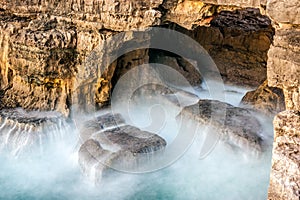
223	174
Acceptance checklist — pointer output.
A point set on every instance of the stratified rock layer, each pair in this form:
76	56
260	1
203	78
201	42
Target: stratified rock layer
117	15
44	46
284	73
37	63
284	65
238	42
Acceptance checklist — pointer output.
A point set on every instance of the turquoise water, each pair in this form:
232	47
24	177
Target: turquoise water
222	175
54	174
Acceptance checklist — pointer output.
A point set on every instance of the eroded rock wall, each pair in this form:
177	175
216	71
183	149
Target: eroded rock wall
44	45
284	62
285	175
238	42
37	64
284	72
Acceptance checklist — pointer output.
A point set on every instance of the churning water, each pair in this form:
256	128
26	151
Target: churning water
223	174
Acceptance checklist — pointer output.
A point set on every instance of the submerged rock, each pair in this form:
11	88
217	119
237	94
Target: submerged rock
236	126
20	131
116	147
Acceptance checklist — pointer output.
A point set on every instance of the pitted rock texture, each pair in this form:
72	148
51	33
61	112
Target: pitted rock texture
284	65
38	62
116	15
265	99
284	11
238	42
236	126
284	73
285	174
45	45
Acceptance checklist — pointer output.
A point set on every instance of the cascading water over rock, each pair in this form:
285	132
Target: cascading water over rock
20	130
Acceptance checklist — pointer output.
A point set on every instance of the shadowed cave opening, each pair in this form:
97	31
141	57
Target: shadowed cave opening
238	42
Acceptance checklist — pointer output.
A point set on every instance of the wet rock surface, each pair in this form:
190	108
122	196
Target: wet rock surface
44	43
100	123
21	131
236	126
115	145
265	99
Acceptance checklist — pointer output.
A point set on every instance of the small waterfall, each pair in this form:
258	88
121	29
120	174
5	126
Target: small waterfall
49	168
21	131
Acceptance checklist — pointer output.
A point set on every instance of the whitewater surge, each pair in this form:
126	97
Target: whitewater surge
223	174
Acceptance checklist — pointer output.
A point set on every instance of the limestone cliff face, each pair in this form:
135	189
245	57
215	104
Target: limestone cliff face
284	62
284	72
37	64
238	42
285	175
117	15
44	45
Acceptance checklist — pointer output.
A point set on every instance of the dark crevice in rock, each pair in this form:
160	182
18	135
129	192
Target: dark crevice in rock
248	19
162	9
235	47
181	65
107	30
6	16
237	41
